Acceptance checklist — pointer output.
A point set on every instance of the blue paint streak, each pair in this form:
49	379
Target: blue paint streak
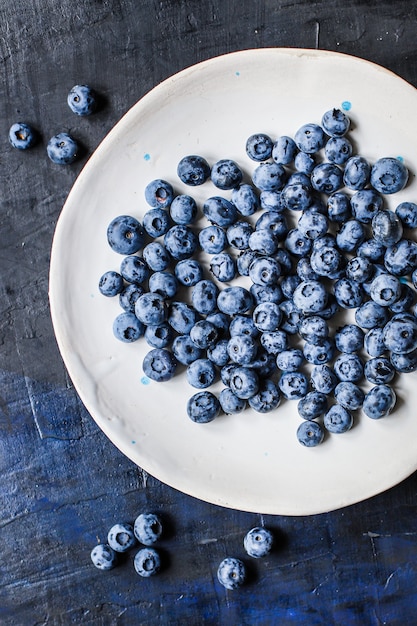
145	380
147	156
400	158
346	105
237	73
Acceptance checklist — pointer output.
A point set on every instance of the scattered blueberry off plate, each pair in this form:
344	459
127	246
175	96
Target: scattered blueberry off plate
213	461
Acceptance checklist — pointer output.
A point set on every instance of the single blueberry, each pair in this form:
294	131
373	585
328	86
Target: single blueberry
298	244
313	405
203	407
337	419
348	368
226	174
267	316
183	209
387	228
407	212
234	300
314	329
266	293
134	269
245	199
349	338
379	401
147	562
230	403
351	234
259	147
185	350
160	336
370	314
223	267
242	349
310	138
193	170
357	173
400	333
338	150
273	222
359	268
180	241
201	373
238	235
188	272
304	162
159	364
284	150
156	222
349	293
218	354
159	193
323	379
274	341
103	557
271	201
296	196
321	353
182	317
22	136
401	258
244	382
243	325
404	363
231	573
312	224
290	360
219	211
203	334
164	283
148	528
389	175
63	149
82	100
269	177
379	370
349	395
310	296
127	327
111	283
151	309
335	123
121	537
129	295
212	239
338	207
310	433
374	342
204	296
385	289
258	542
125	235
327	178
263	242
365	204
293	385
267	397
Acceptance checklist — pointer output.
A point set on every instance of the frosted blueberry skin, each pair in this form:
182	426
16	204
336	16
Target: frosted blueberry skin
269	177
388	175
212	239
289	284
284	150
259	147
365	204
242	349
111	284
220	211
296	196
147	562
400	333
159	364
337	419
372	250
401	258
379	401
267	398
182	317
338	207
223	267
323	379
314	329
243	325
244	382
310	138
188	272
313	405
180	241
103	557
267	316
204	296
312	224
125	235
379	370
266	293
231	573
271	201
22	136
310	297
156	222
291	317
264	271
374	342
129	296
203	407
348	368
151	309
183	210
263	242
62	149
338	150
159	193
121	537
387	228
349	395
304	269
226	174
204	334
290	360
319	354
404	363
193	170
349	294
246	200
258	542
147	528
357	173
238	235
201	373
370	315
304	162
335	123
230	403
327	178
275	341
160	336
310	433
221	321
407	212
385	289
234	300
293	385
218	354
82	100
185	350
127	327
405	301
134	269
351	234
164	283
359	268
273	222
349	338
298	244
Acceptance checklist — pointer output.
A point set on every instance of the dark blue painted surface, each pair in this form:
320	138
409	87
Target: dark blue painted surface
63	483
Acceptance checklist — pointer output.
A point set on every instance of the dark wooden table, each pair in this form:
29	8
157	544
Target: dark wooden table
63	484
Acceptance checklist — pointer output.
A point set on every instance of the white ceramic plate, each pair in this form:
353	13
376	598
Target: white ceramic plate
248	461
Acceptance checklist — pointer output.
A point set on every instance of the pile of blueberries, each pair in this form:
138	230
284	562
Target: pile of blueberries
310	234
62	148
148	528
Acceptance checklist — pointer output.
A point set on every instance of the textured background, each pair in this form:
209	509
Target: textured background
63	484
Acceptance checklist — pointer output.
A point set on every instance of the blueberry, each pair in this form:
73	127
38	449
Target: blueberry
188	272
323	379
289	284
291	317
284	150
379	401
111	284
349	395
220	211
203	407
183	210
314	329
127	327
193	170
242	349
182	317
151	309
134	269
348	368
231	573
212	239
370	314
296	196
276	223
264	271
290	359
349	338
400	333
148	528
159	364
387	228
147	562
374	342
335	123
201	373
226	373
266	293
218	354
312	224
310	296
164	283
365	204
407	212
327	178
258	542
156	222
304	269
264	364
121	537
269	177
244	382
401	258
234	300
319	353
337	419
220	321
22	136
185	350
297	243
267	397
357	173
103	557
349	293
327	261
313	405
304	162
404	363
238	235
243	325
264	242
82	100
405	301
372	250
125	235
160	336
310	138
204	296
129	295
223	267
203	334
385	289
359	268
63	149
226	174
181	242
389	175
230	403
338	150
293	385
267	316
338	207
275	341
259	147
271	201
379	370
245	199
351	234
310	433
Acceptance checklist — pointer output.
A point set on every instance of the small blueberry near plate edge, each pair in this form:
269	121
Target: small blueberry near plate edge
346	105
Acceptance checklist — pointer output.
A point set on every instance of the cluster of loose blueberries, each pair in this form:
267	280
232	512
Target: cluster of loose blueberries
311	232
148	528
62	148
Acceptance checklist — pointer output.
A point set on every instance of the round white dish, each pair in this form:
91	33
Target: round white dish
248	461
